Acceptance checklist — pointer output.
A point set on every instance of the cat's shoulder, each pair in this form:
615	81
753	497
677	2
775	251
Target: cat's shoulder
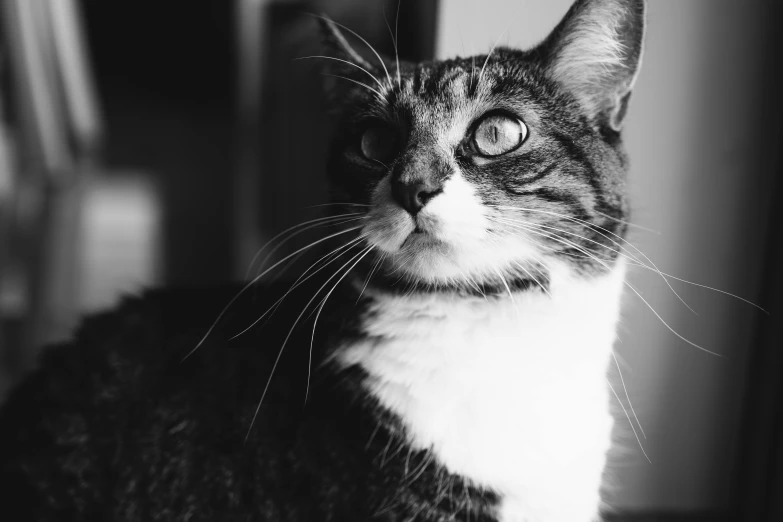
155	344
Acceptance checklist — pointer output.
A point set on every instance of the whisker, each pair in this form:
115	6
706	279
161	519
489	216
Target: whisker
634	225
367	281
254	281
672	330
511	221
285	342
751	303
301	280
654	268
317	220
376	91
357	35
320	309
508	289
627	255
280	273
472	71
629	420
338	203
497	239
620	373
574	245
474	284
394	39
534	279
492	50
620	245
301	231
371	75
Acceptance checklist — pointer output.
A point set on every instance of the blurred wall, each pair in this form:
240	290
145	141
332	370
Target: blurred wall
694	142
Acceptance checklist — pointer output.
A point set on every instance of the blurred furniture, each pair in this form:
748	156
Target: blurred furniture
52	131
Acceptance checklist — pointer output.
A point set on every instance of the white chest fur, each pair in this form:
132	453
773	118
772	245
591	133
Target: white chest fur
509	393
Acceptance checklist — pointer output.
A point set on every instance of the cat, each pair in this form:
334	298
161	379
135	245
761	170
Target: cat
446	362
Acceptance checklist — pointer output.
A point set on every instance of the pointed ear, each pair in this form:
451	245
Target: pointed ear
595	53
340	52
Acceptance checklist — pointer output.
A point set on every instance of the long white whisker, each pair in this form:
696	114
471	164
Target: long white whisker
338	204
396	35
634	225
289	229
357	35
280	352
369	276
672	330
534	279
321	307
371	75
474	284
608	268
255	280
629	421
524	269
486	60
549	227
620	245
394	39
620	373
302	231
751	303
302	279
508	289
593	226
280	273
376	91
626	255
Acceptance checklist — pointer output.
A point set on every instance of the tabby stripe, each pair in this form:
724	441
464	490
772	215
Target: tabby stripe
578	154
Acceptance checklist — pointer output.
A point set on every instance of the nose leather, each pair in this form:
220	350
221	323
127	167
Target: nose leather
418	179
414	196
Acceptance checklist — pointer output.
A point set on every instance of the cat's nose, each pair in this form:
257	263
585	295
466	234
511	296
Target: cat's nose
414	196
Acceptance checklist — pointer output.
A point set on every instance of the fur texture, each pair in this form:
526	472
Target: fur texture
445	362
501	390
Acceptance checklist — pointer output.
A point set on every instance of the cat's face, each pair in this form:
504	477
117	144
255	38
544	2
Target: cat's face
484	171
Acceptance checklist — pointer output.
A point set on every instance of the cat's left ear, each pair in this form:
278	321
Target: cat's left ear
595	53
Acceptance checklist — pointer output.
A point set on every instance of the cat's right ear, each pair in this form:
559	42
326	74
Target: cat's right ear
340	60
336	44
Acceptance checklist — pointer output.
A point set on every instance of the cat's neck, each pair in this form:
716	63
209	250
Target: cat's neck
493	386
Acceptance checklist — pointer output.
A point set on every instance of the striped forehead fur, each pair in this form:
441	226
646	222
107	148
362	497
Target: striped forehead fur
513	206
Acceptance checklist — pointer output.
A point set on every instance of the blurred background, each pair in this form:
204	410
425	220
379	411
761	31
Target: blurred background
154	143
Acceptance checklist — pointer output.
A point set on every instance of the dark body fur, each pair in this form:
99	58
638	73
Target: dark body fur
115	426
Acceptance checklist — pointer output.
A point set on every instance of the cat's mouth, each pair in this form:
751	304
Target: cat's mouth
426	230
419	238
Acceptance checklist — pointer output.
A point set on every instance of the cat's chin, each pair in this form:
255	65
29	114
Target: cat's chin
425	259
421	241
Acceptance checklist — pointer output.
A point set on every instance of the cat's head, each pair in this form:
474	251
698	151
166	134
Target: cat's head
487	171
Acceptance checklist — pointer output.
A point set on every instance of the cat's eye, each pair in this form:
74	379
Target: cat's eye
379	143
498	134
